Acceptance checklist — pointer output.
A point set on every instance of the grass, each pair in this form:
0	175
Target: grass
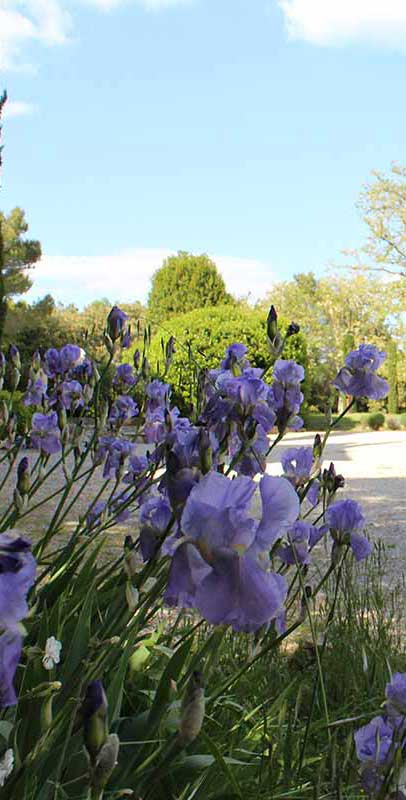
274	718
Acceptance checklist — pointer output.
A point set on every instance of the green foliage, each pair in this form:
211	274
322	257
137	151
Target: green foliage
22	412
393	400
17	255
335	313
201	339
376	420
44	324
402	420
185	282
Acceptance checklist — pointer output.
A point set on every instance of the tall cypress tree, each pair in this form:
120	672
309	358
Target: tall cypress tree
3	100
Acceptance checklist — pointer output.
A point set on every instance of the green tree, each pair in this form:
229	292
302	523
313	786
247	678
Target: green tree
185	282
201	338
18	256
393	397
335	313
382	204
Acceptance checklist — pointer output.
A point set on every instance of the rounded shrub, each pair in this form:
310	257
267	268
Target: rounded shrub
376	421
201	338
393	423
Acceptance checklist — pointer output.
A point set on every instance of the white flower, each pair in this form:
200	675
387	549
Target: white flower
6	766
52	653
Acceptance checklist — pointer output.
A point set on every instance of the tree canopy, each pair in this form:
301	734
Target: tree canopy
333	312
183	283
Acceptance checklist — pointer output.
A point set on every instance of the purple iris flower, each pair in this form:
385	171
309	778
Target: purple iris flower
94	515
124	377
52	362
297	463
10	651
36	392
115	451
358	377
396	697
285	396
83	371
71	395
157	393
235	354
301	539
238	590
70	356
17	574
127	339
345	518
374	741
138	465
45	434
123	409
155	516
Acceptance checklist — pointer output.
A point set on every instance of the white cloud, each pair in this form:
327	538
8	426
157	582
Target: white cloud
49	22
337	22
126	276
25	21
158	5
17	108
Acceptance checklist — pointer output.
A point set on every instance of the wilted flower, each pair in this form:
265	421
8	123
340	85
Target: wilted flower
45	433
6	766
345	518
192	711
52	653
358	377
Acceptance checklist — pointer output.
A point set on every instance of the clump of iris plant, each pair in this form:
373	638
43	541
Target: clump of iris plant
381	745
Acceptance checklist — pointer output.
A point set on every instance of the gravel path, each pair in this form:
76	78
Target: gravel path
374	468
373	464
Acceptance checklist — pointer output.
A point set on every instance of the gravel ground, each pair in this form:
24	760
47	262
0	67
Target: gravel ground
373	464
374	467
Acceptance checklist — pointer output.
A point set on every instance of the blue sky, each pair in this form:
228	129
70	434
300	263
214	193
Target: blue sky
243	128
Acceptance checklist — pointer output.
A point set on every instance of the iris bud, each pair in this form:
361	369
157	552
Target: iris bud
272	323
317	448
106	761
193	708
95	718
293	329
115	323
14	356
